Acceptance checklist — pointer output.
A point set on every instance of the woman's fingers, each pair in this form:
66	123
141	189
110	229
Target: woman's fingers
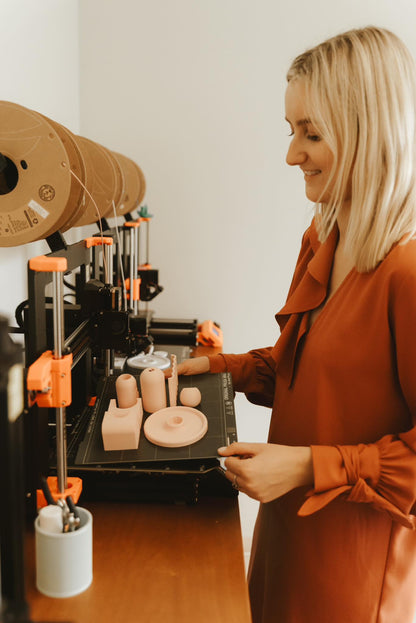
240	449
271	471
196	365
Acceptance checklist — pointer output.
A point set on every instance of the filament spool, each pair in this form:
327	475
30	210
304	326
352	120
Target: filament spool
103	183
141	182
134	185
35	185
51	179
78	166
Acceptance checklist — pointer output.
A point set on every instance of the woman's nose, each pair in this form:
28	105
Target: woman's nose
295	154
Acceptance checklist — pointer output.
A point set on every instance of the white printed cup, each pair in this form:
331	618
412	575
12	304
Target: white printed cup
64	560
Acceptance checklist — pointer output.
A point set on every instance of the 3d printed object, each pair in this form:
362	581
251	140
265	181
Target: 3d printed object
157	359
175	427
152	385
120	427
173	383
190	396
127	392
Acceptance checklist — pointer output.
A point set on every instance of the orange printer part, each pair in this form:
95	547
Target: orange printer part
44	264
73	488
136	288
49	380
96	241
210	334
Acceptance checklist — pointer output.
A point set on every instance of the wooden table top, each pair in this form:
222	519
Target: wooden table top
156	563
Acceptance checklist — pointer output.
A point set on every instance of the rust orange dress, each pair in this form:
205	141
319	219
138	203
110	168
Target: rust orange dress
344	552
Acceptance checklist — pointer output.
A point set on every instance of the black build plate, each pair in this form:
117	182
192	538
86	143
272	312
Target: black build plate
217	404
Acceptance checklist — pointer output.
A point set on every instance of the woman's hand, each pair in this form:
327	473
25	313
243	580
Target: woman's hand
196	365
266	471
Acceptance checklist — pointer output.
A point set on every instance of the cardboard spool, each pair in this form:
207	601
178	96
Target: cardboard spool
104	181
78	166
133	184
52	180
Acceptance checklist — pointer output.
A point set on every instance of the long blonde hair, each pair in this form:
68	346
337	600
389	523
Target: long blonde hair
361	94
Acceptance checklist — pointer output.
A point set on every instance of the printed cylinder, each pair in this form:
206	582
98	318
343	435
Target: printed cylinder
127	392
152	384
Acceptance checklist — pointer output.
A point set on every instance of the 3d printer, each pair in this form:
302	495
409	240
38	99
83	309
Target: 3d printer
97	323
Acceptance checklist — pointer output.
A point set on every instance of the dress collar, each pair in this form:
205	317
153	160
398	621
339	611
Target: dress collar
309	289
315	270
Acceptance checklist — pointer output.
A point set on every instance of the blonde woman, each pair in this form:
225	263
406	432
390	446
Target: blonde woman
335	539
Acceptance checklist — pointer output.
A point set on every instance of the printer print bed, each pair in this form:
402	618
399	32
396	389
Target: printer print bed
217	405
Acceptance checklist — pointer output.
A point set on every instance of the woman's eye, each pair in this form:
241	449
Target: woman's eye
313	137
291	133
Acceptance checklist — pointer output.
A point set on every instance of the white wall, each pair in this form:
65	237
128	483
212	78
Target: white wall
40	70
193	91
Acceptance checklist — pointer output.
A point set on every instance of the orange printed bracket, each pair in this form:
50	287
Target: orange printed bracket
74	489
51	380
96	241
136	288
132	223
45	264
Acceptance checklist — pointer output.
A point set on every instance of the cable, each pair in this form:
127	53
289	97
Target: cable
106	276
